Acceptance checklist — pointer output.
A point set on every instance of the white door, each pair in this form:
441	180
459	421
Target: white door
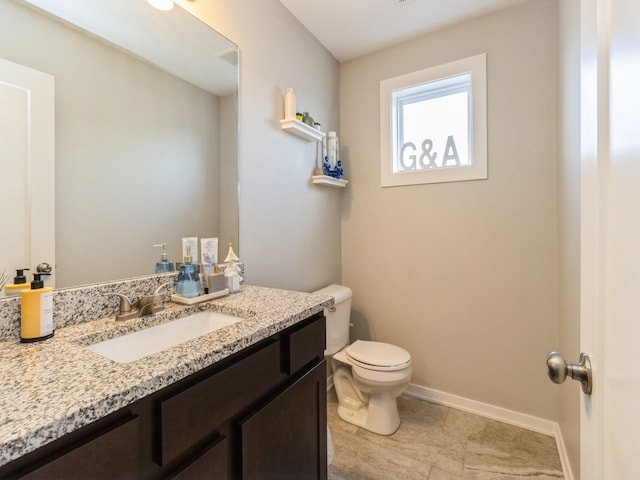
27	175
610	237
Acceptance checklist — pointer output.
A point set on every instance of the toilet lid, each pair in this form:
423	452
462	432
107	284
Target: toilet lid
378	354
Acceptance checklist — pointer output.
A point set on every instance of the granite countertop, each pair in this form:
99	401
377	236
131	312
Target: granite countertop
54	387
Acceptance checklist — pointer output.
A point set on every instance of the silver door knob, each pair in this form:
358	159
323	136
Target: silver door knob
44	267
559	369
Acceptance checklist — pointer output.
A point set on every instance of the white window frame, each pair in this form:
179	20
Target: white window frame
476	66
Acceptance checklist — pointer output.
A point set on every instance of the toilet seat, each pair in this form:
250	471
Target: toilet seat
378	356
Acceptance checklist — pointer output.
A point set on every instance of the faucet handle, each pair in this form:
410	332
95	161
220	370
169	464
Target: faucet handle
125	302
150	304
160	287
125	309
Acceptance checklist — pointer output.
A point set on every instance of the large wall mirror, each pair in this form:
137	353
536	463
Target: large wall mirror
146	132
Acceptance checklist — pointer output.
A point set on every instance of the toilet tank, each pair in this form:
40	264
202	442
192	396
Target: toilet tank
337	317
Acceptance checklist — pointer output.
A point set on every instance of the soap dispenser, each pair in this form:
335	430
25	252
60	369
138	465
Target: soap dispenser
164	265
36	311
188	277
19	283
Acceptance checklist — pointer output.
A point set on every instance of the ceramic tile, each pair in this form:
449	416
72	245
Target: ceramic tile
462	425
437	474
360	455
503	451
440	443
412	449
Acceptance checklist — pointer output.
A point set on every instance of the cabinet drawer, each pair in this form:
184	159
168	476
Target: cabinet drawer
306	345
112	454
211	464
189	416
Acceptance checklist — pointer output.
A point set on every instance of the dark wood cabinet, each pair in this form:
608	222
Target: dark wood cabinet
259	414
110	453
211	464
192	414
287	438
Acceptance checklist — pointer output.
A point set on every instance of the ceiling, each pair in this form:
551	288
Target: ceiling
351	28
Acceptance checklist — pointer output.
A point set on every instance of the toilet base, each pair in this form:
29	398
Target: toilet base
376	412
379	416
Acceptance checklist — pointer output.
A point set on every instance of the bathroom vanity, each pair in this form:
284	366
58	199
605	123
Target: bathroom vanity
250	401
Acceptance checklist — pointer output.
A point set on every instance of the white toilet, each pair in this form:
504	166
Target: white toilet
368	376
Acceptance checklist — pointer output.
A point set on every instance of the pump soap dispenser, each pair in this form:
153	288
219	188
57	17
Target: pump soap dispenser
164	265
19	283
36	311
188	277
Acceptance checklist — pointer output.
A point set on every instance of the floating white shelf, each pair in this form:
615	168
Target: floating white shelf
302	130
329	181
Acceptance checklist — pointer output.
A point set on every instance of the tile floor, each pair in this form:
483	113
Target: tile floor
440	443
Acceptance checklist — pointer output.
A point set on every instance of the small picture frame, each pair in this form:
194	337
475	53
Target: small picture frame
208	254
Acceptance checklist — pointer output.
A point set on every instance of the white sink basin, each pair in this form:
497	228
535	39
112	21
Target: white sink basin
134	346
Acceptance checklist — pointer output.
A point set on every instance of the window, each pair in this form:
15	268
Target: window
433	124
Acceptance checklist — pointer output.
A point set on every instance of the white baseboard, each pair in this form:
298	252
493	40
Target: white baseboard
517	419
564	455
522	420
500	414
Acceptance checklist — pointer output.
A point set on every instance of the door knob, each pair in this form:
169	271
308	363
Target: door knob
44	267
559	369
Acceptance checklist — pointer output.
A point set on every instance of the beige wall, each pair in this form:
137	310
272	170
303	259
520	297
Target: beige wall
463	275
289	229
569	220
473	276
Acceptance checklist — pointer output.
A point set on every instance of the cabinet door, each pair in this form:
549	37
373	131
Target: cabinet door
211	464
191	415
287	438
112	454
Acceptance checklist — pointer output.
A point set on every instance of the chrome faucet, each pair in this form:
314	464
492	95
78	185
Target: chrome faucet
144	305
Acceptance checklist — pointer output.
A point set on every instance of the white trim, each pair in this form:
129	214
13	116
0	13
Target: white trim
564	455
504	415
477	66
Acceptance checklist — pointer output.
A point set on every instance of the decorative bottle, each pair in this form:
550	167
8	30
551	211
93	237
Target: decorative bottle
19	283
290	104
232	272
36	311
332	145
188	277
164	265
